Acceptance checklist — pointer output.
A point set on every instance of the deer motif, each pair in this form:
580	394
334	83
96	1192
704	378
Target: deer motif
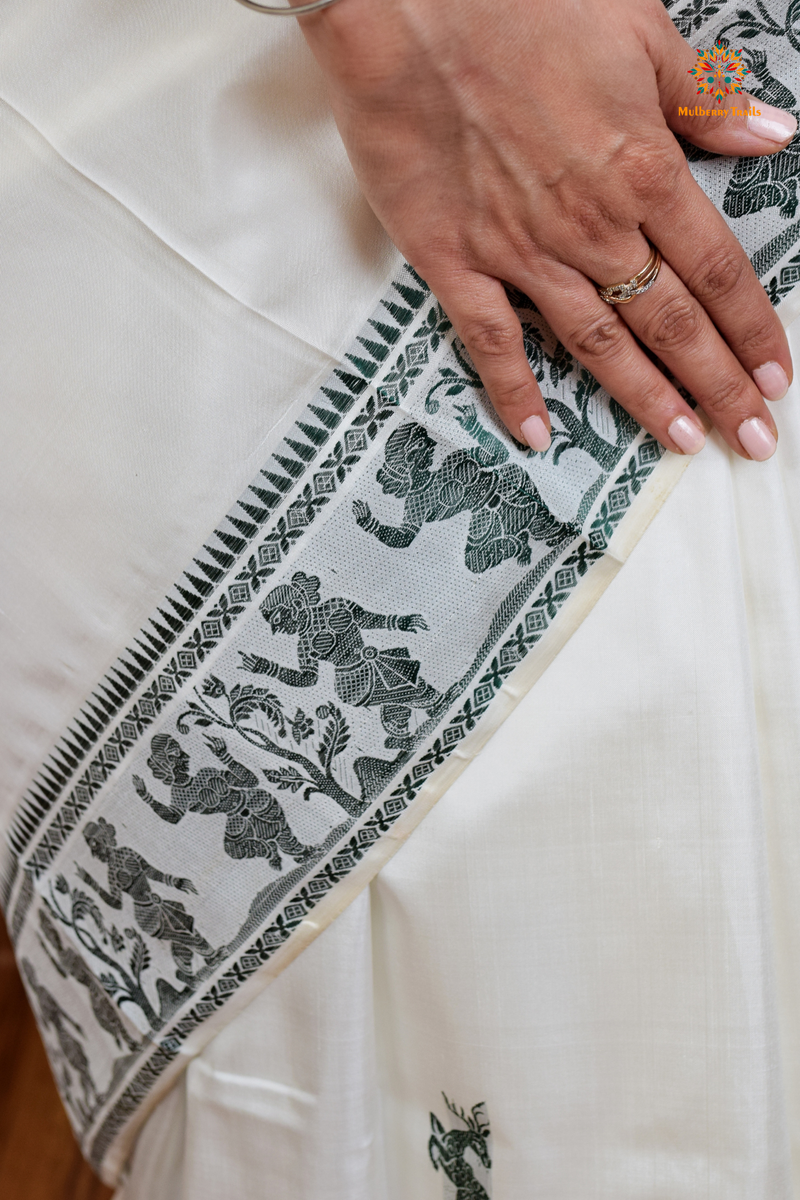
447	1149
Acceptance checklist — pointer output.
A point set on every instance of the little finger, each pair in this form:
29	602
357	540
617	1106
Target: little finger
669	320
482	317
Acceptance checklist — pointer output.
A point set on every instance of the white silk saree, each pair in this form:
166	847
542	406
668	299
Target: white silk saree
577	977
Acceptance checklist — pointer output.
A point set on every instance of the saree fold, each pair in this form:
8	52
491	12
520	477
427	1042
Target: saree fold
395	577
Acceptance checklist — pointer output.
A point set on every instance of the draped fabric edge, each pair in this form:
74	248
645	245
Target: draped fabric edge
642	511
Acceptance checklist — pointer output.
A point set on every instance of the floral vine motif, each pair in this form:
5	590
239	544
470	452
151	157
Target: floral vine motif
242	702
70	964
80	913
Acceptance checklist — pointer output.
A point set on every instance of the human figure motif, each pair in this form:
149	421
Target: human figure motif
69	963
505	505
330	631
255	825
167	920
53	1017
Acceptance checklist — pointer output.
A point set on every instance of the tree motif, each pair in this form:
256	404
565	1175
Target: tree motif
245	700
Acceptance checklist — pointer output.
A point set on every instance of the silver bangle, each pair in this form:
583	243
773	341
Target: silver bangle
286	10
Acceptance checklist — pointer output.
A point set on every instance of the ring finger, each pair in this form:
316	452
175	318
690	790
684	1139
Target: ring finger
671	322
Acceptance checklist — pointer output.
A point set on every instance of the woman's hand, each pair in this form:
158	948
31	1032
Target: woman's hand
531	141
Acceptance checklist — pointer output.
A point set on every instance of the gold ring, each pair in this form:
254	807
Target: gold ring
623	293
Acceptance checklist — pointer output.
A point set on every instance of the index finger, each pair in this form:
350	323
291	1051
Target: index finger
694	238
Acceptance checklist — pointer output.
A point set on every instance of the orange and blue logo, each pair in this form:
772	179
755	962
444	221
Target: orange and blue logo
719	72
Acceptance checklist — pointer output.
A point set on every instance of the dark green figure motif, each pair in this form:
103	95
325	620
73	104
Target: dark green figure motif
506	508
69	963
53	1017
255	825
447	1149
166	920
330	631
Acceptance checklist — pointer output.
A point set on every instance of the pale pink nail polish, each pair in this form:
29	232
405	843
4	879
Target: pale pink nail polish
771	381
757	439
534	432
687	436
772	124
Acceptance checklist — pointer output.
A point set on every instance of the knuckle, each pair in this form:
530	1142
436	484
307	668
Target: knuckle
598	338
590	221
720	275
493	338
759	335
653	173
514	395
675	324
731	397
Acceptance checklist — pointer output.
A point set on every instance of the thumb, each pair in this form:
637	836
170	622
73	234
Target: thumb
736	123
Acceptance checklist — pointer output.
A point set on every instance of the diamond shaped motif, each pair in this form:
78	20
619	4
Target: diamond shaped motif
166	683
269	553
535	621
565	579
619	499
648	453
296	517
324	483
453	734
187	660
482	694
417	354
355	441
393	806
239	593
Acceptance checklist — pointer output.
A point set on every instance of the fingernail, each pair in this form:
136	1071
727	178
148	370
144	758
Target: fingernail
771	381
687	436
534	432
772	124
757	439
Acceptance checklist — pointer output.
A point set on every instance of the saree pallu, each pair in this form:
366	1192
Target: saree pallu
577	976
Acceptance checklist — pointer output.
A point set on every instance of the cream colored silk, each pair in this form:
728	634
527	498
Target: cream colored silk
595	930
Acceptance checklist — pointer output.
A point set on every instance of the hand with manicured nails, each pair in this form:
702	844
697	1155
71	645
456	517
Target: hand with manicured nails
532	142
